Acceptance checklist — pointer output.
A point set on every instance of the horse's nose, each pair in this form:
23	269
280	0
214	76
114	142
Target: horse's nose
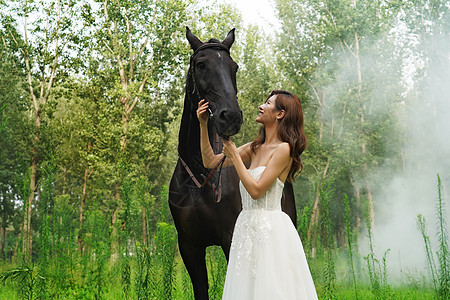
230	116
224	114
229	121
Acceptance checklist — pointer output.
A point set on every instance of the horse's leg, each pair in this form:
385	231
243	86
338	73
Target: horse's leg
226	249
194	260
288	202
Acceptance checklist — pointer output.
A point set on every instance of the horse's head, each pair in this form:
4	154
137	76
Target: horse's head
212	76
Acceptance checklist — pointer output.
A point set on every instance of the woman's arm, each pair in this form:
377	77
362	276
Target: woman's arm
279	161
245	154
210	160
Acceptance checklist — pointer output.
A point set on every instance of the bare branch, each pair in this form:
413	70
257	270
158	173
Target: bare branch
27	62
130	45
30	84
141	89
142	48
339	34
42	84
109	48
315	93
123	76
107	17
105	10
15	41
4	45
144	44
52	75
55	59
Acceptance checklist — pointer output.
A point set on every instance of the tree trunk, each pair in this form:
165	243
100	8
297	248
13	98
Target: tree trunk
314	224
125	121
3	232
82	202
370	205
371	210
38	104
144	227
114	233
27	244
358	209
114	237
2	242
126	62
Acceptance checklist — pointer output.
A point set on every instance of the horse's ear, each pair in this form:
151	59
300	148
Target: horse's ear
193	40
229	40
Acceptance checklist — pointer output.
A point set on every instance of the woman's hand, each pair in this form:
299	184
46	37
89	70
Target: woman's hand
202	115
229	149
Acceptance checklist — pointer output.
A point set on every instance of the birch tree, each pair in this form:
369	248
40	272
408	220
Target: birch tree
46	31
136	46
331	46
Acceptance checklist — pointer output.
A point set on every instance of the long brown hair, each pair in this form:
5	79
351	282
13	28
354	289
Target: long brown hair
290	128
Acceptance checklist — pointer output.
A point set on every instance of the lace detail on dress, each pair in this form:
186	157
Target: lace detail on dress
251	234
253	225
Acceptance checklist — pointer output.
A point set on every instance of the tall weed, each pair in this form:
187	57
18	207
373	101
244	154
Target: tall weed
326	193
377	268
65	256
97	253
217	270
440	275
45	232
166	241
155	271
443	253
125	238
304	218
28	280
422	227
144	271
350	242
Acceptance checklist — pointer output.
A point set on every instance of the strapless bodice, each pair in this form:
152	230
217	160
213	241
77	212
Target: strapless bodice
271	200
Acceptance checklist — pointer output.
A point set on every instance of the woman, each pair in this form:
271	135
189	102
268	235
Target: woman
266	260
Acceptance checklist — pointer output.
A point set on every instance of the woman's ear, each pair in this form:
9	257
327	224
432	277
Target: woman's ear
280	114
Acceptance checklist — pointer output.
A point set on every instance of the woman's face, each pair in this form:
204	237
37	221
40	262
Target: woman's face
267	111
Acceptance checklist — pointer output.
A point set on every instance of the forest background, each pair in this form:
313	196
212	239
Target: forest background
91	95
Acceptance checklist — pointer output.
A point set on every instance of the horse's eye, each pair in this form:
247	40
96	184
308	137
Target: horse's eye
201	66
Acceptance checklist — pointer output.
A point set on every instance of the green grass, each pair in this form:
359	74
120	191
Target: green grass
160	272
397	293
7	289
182	289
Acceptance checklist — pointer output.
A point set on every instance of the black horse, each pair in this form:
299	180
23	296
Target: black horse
203	212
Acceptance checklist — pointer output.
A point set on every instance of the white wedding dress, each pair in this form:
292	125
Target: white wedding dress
267	260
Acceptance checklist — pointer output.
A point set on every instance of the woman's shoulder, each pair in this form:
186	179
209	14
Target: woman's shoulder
281	152
284	147
245	148
245	153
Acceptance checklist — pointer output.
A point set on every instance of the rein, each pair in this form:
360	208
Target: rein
206	179
218	192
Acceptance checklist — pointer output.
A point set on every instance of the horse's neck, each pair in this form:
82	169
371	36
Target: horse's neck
189	136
